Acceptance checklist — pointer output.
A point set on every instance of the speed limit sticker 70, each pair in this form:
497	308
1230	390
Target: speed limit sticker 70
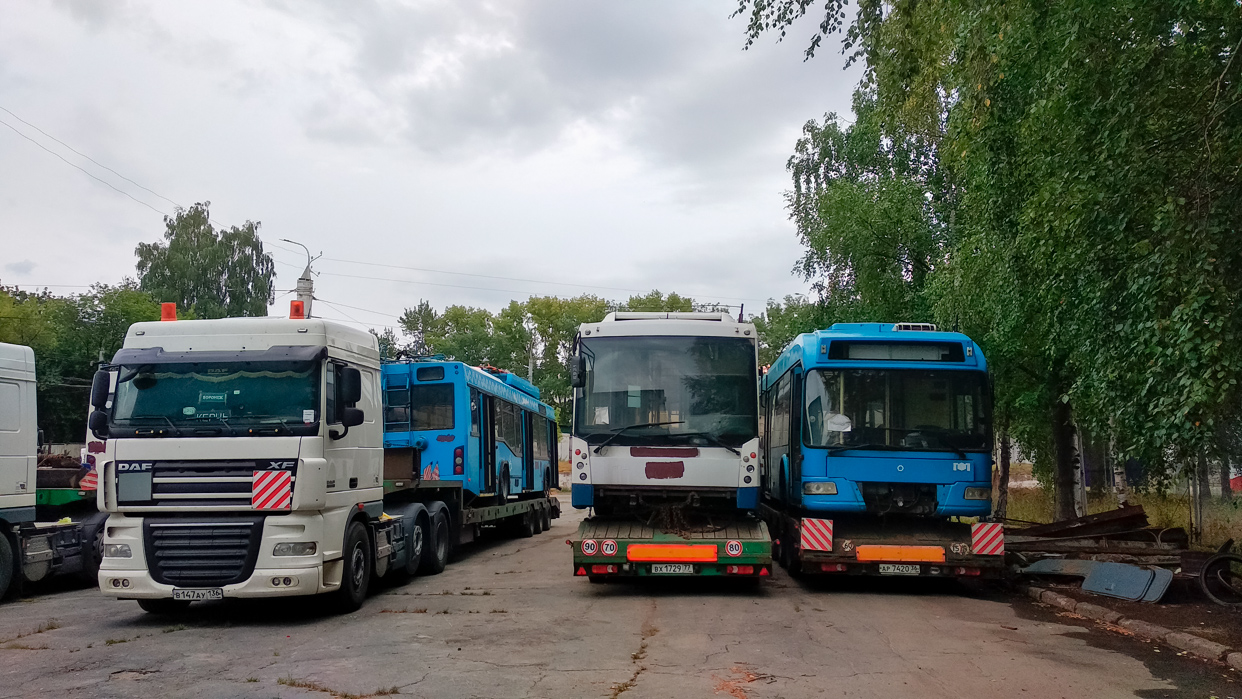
608	548
733	548
588	547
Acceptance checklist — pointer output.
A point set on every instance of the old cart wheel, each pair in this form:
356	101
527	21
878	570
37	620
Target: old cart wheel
1221	579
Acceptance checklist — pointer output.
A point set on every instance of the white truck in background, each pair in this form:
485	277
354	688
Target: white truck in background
48	524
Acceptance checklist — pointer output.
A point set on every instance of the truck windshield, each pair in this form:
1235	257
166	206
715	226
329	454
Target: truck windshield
702	390
225	398
914	410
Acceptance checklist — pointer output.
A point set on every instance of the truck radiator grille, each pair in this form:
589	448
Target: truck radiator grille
220	485
200	553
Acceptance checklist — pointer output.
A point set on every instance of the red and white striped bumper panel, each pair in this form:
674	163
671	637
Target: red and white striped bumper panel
272	490
987	539
816	535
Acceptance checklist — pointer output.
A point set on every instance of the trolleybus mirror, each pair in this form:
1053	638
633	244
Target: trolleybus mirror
99	389
577	371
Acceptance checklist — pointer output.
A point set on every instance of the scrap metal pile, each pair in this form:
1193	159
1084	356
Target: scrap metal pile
1119	555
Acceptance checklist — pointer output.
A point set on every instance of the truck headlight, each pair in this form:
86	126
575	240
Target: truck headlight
117	551
819	488
978	494
294	548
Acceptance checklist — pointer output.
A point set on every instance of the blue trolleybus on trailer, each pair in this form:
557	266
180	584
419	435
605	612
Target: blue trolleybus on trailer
479	440
877	453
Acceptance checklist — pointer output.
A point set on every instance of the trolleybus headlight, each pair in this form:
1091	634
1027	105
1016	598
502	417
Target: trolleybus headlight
294	548
117	551
978	494
750	468
581	465
819	488
582	476
746	479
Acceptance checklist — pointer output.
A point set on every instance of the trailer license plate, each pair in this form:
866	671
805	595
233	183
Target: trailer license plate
672	569
199	594
899	569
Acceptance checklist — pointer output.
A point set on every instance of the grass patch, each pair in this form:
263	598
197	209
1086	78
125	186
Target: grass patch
114	641
15	645
499	611
314	686
174	629
49	625
252	679
444	611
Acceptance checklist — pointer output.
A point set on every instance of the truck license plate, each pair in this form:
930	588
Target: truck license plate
198	595
899	569
672	569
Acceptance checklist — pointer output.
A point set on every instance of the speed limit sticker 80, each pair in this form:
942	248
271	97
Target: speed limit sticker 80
733	548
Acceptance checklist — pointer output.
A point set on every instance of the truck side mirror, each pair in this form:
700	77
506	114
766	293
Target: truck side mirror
577	371
352	417
98	422
99	389
350	388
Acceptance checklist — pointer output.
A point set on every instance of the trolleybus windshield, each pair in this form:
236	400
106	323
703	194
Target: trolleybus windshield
914	409
677	390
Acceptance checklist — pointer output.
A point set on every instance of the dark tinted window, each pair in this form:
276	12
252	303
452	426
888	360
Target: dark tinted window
430	373
419	408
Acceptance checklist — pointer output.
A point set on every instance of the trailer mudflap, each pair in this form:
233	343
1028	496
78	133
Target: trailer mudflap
607	547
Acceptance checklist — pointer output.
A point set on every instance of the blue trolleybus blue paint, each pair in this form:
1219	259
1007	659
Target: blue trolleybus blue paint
866	422
483	431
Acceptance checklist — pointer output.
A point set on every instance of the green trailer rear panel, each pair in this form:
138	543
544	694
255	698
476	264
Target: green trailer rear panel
625	548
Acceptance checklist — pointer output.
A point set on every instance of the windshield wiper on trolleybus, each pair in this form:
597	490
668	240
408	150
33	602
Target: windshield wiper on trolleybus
617	432
711	438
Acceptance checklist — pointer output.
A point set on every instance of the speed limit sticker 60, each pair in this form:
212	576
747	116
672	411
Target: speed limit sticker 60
588	547
733	548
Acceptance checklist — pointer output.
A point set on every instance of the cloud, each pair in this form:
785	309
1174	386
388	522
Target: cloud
21	268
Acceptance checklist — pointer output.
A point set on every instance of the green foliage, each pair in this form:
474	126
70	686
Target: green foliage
1081	160
211	273
70	335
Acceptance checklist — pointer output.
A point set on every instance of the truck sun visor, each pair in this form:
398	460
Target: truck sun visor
280	353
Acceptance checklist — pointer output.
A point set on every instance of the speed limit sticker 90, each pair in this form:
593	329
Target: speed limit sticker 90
608	548
589	547
733	548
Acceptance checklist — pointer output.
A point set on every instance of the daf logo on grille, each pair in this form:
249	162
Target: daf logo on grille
132	466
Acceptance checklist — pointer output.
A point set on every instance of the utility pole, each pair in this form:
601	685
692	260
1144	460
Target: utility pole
306	283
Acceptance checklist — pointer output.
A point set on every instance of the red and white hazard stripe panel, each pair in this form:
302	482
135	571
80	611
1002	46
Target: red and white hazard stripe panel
816	535
987	539
90	481
272	490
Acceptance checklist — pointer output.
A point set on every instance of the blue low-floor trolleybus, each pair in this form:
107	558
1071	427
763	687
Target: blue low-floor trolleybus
877	453
476	441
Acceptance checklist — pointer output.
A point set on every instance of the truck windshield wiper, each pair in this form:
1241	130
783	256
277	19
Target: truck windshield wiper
175	430
618	432
709	437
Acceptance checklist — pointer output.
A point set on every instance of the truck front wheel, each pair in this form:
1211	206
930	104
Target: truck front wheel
6	565
163	606
356	571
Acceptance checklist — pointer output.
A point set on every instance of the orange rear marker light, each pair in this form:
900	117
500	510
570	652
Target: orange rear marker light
918	554
660	553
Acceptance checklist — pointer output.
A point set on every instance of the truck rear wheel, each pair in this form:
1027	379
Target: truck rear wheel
6	565
163	606
356	569
415	543
436	552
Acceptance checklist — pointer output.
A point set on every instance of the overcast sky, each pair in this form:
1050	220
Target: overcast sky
579	146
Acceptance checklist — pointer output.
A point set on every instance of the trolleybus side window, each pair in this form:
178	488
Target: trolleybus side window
509	425
474	412
539	437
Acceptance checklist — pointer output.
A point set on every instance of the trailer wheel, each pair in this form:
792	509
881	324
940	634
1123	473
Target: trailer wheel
163	606
356	572
545	519
436	553
6	565
528	524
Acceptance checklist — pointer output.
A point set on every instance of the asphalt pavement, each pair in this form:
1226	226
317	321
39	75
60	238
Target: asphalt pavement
508	619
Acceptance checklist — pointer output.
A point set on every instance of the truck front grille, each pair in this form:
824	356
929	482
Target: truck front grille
199	553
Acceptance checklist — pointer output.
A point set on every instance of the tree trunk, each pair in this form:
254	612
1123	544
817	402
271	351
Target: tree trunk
1002	486
1064	484
1226	470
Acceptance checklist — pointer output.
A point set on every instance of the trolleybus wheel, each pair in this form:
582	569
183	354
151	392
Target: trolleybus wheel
163	606
356	570
436	546
503	486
